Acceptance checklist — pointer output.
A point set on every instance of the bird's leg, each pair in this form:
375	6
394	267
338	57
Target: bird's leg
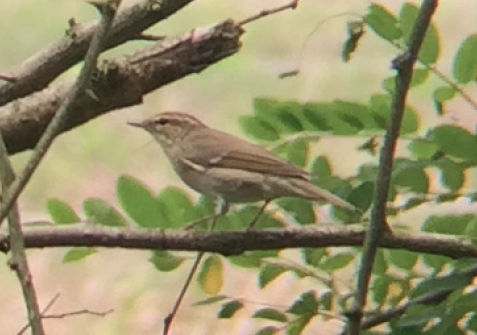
257	216
222	209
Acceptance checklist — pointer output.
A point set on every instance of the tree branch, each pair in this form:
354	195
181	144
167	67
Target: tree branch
232	243
80	88
46	65
120	82
18	261
404	65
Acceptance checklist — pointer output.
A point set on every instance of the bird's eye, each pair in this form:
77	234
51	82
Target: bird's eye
162	122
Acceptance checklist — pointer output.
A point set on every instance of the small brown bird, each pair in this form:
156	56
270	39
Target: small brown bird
225	167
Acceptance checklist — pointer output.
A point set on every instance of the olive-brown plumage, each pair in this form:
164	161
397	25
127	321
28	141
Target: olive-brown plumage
220	165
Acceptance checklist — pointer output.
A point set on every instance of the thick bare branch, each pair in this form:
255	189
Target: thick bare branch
42	68
119	83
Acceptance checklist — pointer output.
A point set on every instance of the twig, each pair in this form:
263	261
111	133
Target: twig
170	317
404	66
430	298
266	12
466	96
121	82
18	261
63	315
108	11
41	69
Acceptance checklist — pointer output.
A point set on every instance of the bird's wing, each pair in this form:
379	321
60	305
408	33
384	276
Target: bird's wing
249	157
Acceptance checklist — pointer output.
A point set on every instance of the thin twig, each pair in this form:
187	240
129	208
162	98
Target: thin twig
466	96
108	12
430	298
170	317
18	261
266	12
47	307
378	225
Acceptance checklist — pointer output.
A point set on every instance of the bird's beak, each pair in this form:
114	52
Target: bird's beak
137	124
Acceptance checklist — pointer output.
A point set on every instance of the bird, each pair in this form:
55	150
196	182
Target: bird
225	167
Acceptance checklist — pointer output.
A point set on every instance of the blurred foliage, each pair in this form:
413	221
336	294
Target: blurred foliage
291	128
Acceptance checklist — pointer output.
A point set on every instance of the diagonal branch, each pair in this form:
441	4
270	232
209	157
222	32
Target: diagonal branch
120	82
18	261
231	243
404	65
80	88
42	68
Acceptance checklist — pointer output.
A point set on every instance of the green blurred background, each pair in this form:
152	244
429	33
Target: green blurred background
87	161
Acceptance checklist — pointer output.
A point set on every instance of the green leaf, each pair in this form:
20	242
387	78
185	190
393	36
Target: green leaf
77	254
297	152
321	168
402	259
245	261
429	51
420	315
99	211
436	263
269	273
455	141
270	314
419	76
447	224
268	330
307	303
411	176
259	129
382	22
452	174
447	283
301	210
178	207
298	325
380	263
165	261
355	115
380	288
336	262
380	108
289	122
211	275
229	309
471	229
313	256
410	121
362	196
318	116
465	60
211	300
61	212
442	95
139	203
423	149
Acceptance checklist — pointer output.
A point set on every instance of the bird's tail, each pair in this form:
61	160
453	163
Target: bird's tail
309	191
